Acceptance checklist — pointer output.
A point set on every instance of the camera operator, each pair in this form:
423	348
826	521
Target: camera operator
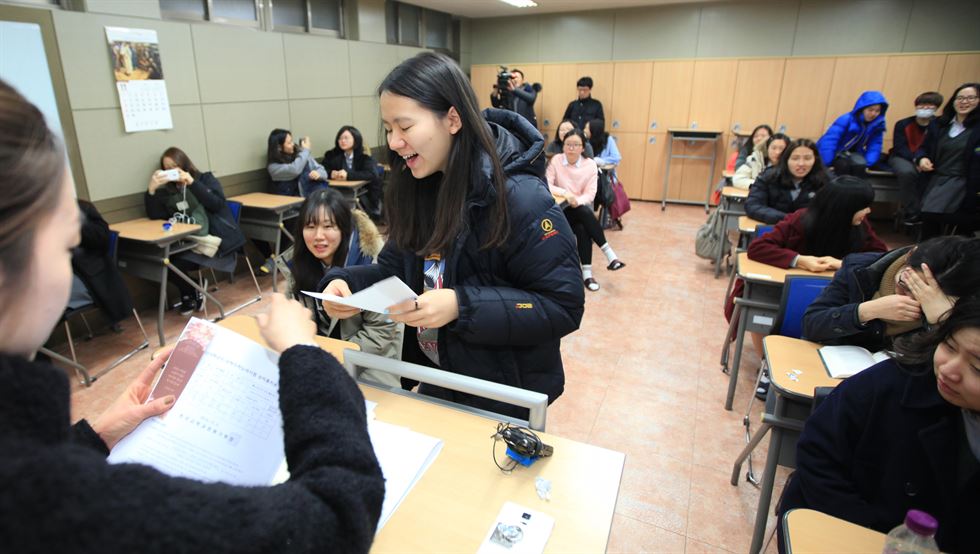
518	97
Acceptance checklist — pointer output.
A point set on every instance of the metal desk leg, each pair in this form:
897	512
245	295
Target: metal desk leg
197	287
768	480
670	148
733	370
747	451
732	325
711	176
724	231
163	294
275	256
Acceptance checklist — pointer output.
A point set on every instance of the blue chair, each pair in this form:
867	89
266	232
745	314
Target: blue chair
799	291
236	213
85	377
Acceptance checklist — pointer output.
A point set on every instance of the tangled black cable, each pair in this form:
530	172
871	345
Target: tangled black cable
523	442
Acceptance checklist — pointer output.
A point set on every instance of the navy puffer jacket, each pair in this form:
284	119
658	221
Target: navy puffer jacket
516	301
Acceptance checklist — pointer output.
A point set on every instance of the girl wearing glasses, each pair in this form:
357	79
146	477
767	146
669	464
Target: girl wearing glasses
574	177
950	159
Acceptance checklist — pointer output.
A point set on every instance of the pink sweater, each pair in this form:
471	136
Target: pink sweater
579	179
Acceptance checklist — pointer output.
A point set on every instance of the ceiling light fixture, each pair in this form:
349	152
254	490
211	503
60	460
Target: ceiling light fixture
521	3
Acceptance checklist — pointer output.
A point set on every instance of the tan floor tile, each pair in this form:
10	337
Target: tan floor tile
630	536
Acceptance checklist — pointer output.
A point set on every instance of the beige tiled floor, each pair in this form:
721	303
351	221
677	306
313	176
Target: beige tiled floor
642	378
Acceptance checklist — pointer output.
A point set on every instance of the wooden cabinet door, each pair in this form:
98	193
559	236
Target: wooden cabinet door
697	176
602	79
631	97
654	164
712	92
483	77
670	95
803	97
558	89
852	76
757	87
905	78
959	69
630	170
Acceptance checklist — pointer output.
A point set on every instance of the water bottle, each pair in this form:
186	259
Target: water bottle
915	536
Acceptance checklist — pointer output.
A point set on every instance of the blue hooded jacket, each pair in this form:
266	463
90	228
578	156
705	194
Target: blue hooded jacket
849	132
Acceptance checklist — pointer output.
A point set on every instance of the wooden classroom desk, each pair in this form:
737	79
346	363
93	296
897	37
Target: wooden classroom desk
761	295
454	504
607	167
352	190
263	218
795	369
731	206
727	174
812	532
690	135
747	225
145	250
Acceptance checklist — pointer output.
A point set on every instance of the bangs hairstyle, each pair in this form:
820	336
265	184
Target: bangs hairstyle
929	98
32	166
181	159
431	212
320	204
827	221
774	138
818	174
949	110
275	155
954	261
558	140
358	139
919	348
576	133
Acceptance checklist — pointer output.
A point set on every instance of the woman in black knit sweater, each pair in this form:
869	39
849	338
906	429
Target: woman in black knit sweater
60	494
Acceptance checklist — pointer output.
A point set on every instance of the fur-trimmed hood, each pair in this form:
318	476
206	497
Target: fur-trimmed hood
369	238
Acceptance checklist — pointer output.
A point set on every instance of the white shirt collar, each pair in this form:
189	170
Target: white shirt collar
564	161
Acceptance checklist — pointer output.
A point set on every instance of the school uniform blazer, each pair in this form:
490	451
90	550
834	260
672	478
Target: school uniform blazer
60	494
364	166
515	301
833	317
883	442
770	199
971	154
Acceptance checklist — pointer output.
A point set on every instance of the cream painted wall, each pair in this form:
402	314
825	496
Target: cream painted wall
731	29
228	87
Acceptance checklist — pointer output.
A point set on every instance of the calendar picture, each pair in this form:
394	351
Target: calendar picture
138	73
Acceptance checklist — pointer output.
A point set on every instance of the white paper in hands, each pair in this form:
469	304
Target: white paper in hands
376	298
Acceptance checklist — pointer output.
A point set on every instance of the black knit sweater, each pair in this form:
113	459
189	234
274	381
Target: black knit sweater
60	495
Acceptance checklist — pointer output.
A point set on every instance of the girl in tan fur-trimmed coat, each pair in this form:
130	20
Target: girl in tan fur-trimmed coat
333	235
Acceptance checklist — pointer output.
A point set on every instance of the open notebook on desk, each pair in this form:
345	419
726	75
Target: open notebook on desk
226	426
847	360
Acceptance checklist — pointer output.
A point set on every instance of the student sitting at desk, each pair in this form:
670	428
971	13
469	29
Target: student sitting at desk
872	298
756	141
765	155
852	143
603	144
293	170
901	435
347	161
475	234
789	186
336	236
574	177
554	147
60	494
816	238
205	206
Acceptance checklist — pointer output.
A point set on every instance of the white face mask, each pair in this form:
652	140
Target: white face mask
925	113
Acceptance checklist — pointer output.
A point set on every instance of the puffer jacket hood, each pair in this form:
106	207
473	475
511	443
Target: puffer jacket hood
520	146
870	98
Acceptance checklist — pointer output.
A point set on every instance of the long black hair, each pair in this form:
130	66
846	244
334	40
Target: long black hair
358	148
323	203
827	223
949	110
818	174
430	212
773	138
559	140
275	155
919	348
953	260
598	137
749	146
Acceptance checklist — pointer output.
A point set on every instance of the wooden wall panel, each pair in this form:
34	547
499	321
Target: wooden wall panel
852	76
959	69
906	78
712	91
630	171
602	80
631	97
670	97
697	173
558	81
483	77
653	168
803	98
757	87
